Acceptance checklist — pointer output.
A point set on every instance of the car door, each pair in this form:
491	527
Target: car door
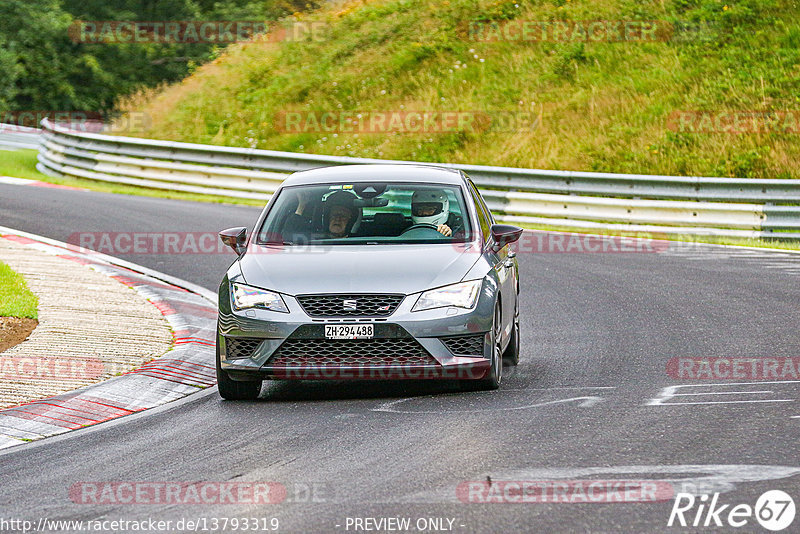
502	264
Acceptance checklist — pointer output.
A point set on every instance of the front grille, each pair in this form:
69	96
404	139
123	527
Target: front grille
381	351
334	305
241	347
471	345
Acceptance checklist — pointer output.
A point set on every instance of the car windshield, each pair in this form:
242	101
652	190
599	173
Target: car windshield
367	213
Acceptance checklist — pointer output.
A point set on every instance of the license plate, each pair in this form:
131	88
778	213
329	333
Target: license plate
349	331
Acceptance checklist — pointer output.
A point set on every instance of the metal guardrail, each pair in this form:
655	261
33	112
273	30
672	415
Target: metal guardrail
735	207
13	137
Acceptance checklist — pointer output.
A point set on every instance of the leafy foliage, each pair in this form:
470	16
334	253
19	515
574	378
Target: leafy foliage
43	69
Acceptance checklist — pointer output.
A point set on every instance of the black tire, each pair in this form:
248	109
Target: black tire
230	389
511	354
494	376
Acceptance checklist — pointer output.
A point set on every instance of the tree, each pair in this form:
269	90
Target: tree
43	69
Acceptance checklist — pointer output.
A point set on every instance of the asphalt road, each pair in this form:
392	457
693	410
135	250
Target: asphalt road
587	402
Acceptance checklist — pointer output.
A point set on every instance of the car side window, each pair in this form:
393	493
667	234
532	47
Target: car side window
483	219
486	209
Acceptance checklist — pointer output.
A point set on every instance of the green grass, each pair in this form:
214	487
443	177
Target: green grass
22	164
601	106
16	300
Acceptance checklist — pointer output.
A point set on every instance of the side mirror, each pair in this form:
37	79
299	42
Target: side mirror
503	234
236	238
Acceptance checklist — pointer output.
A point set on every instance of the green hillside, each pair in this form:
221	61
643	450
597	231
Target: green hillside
591	103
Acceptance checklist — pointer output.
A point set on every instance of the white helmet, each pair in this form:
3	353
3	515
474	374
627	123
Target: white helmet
422	201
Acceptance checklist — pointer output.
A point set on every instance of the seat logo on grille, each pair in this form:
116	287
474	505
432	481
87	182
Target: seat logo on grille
350	304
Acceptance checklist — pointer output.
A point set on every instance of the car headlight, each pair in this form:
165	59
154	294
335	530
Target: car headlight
252	297
461	295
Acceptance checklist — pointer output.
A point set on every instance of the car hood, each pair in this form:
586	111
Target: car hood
357	269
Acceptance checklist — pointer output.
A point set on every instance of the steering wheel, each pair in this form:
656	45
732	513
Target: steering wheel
423	229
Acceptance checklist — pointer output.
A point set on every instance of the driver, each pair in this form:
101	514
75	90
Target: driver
340	214
431	206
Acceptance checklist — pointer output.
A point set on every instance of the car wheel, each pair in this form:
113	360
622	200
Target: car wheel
230	389
512	351
494	376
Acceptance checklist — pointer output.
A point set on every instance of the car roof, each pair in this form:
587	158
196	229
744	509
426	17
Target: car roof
376	173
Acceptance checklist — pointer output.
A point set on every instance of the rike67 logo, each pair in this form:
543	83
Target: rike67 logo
774	510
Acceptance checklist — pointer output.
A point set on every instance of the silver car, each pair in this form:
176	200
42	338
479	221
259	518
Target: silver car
363	272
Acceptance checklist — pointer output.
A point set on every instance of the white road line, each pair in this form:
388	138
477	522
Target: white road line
739	384
668	393
720	393
388	407
726	402
10	180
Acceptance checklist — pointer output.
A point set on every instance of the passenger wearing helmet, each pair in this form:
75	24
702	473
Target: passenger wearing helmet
340	214
431	206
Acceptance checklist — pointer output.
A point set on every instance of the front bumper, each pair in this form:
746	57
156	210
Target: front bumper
428	332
